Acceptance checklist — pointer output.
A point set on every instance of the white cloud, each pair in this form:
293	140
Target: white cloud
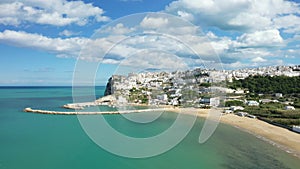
267	38
162	33
159	60
252	30
110	49
67	33
131	0
118	29
289	23
258	59
250	21
50	12
185	15
235	65
62	47
239	65
238	15
154	22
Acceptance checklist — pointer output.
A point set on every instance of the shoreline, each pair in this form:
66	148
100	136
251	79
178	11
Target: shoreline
283	139
279	137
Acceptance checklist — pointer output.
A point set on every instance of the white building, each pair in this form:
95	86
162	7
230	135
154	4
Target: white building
214	101
289	108
265	101
242	114
234	108
228	111
239	91
163	97
252	103
296	128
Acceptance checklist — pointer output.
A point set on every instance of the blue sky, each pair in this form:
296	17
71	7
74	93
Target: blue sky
40	41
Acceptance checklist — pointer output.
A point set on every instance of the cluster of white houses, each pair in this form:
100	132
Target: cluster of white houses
182	87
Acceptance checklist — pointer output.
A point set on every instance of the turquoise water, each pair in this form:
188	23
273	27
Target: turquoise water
36	141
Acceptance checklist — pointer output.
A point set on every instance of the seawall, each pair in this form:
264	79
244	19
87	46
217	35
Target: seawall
30	110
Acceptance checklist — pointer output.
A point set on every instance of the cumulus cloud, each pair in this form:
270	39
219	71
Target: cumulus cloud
117	43
114	49
87	49
131	0
185	15
67	33
62	47
251	31
154	22
258	59
266	38
289	23
50	12
239	64
119	29
240	15
159	60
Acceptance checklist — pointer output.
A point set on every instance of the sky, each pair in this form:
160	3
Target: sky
41	42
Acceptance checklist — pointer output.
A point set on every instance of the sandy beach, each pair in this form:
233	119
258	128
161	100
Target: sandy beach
282	138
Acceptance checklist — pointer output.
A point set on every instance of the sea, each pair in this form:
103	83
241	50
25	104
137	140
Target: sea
40	141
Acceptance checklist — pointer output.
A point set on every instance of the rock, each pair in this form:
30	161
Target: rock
28	109
108	89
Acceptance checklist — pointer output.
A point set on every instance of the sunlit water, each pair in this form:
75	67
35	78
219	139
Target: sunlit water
36	141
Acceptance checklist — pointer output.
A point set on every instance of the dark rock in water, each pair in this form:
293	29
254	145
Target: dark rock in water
108	90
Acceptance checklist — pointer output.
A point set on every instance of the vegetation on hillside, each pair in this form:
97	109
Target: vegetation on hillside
234	103
137	94
274	113
268	84
265	87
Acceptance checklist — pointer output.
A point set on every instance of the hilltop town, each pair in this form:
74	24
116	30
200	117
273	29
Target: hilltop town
185	88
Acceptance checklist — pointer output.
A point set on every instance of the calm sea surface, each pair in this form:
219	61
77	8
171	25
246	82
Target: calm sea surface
35	141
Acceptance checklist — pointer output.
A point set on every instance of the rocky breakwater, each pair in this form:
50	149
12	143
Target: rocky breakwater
30	110
106	100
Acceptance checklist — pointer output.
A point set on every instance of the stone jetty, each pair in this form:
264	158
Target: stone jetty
106	100
91	113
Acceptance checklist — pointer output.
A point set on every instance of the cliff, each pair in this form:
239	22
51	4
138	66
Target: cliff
108	89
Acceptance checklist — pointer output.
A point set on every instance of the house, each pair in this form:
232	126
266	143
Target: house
242	114
296	129
234	108
162	97
214	101
228	111
174	102
289	108
264	101
252	103
239	91
288	103
122	100
251	116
